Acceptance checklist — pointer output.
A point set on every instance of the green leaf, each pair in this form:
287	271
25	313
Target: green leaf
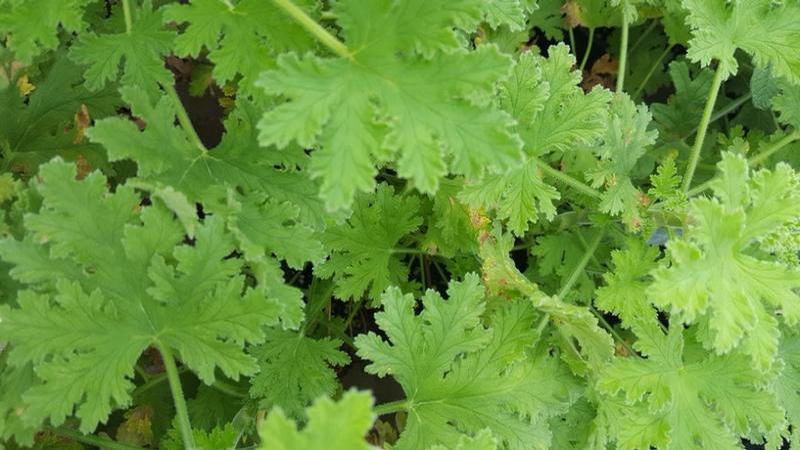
294	370
241	38
672	401
716	280
680	115
625	292
363	256
626	140
197	172
142	49
331	425
408	92
41	126
552	111
137	286
768	31
520	196
460	376
32	25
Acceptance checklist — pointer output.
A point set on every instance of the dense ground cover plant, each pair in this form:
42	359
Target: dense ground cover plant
399	224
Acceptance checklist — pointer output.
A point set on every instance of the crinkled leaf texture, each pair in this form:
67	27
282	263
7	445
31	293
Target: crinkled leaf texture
716	280
407	91
626	139
553	115
364	258
767	30
241	38
295	369
140	53
674	399
331	425
107	279
279	210
32	25
461	376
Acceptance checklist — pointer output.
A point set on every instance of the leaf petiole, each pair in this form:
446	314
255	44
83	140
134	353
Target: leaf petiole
181	411
702	129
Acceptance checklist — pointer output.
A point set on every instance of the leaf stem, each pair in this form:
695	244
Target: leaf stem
96	441
183	118
724	111
588	49
181	411
391	407
568	180
702	129
753	161
652	71
316	30
573	278
623	53
788	139
228	389
126	11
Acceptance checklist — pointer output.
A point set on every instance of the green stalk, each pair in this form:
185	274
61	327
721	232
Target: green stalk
183	118
572	41
702	129
126	11
755	160
573	278
391	407
724	111
652	71
181	411
96	441
316	30
623	53
568	180
588	49
788	139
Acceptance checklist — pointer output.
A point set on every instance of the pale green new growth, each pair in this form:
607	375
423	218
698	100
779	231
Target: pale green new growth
715	280
331	425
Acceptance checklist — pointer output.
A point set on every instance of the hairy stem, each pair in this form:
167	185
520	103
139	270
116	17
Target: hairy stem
316	30
754	160
568	180
391	407
181	411
96	441
588	49
573	278
623	54
702	129
126	11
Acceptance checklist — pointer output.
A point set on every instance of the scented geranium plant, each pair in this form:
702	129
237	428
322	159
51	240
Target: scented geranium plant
399	224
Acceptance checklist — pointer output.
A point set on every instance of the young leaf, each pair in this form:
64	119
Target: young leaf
713	277
331	425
